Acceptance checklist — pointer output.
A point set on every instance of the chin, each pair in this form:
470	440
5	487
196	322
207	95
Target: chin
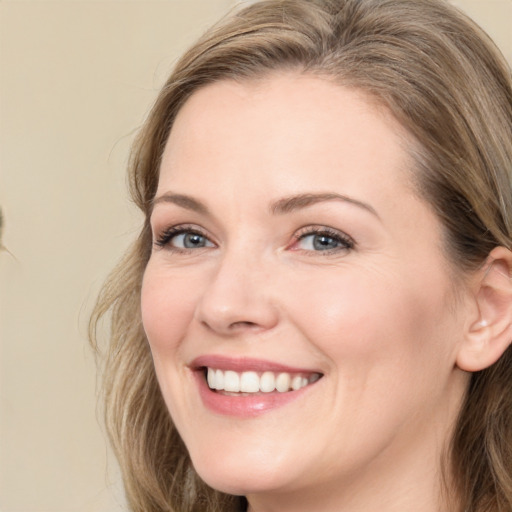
239	477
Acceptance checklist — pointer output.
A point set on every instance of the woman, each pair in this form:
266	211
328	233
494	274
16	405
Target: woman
317	313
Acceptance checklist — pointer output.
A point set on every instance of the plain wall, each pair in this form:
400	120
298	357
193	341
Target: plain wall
76	79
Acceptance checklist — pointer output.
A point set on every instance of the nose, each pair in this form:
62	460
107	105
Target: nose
237	298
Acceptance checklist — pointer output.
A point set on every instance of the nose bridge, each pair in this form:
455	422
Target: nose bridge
237	295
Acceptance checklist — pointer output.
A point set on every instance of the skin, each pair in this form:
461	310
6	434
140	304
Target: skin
378	320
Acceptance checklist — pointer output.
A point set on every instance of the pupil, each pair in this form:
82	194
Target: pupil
322	242
193	240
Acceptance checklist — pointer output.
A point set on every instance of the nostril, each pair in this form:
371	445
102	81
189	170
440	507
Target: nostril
242	324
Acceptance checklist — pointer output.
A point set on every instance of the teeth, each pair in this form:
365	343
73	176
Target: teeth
267	382
249	382
253	382
218	379
231	381
283	382
211	379
314	377
299	382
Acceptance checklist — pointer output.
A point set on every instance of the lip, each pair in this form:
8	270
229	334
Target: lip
248	405
244	364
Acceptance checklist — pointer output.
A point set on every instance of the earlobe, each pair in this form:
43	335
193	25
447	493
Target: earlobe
490	333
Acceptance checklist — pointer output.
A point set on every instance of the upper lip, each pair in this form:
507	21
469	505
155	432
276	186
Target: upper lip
244	364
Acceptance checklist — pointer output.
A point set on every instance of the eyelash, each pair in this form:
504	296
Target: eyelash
164	239
346	242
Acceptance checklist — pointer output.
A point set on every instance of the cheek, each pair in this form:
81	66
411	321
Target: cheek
388	347
364	319
167	306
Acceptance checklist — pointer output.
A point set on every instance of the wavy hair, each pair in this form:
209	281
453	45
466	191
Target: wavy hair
444	80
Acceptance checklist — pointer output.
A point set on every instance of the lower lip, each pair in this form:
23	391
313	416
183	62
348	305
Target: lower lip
247	406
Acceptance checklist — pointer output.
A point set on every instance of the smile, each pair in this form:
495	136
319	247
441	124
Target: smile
256	382
247	387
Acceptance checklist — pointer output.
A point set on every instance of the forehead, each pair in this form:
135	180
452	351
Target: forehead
283	122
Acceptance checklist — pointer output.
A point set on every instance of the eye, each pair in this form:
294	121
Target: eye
321	239
183	238
190	240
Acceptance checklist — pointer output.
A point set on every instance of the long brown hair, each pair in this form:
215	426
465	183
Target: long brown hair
448	85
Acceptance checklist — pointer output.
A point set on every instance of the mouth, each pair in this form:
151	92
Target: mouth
246	387
230	382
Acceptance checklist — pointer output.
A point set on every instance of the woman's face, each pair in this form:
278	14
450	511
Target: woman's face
290	251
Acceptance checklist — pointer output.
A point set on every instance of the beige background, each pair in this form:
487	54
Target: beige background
76	78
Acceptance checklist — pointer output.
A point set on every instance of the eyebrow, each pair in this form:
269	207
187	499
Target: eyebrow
279	207
187	202
300	201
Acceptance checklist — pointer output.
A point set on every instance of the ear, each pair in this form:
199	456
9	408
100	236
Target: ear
489	332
